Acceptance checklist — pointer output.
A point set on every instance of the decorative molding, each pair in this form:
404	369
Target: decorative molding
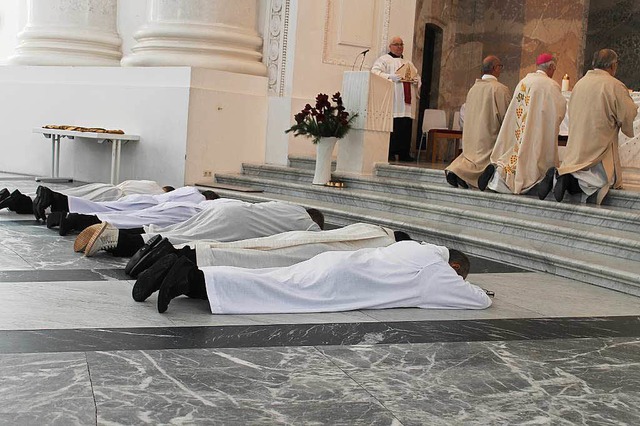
277	45
329	53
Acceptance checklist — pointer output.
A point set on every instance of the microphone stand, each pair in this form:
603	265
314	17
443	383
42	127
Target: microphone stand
364	55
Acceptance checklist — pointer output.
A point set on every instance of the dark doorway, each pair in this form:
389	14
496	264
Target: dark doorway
430	73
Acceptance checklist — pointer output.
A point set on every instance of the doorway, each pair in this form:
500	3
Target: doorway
431	60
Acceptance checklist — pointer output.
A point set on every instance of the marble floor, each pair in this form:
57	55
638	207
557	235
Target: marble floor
76	349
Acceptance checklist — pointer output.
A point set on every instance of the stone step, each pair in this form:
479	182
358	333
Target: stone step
603	216
615	198
578	236
604	270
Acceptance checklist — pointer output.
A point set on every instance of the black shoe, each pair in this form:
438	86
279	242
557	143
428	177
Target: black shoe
10	201
176	283
486	176
546	184
150	280
76	222
392	158
44	199
4	194
452	179
150	253
67	223
461	183
406	159
561	187
54	219
23	204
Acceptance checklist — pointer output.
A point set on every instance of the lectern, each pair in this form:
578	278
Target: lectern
367	142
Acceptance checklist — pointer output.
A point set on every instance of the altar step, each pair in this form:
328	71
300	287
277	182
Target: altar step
600	246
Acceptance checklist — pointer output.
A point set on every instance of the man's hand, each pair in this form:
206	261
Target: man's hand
394	78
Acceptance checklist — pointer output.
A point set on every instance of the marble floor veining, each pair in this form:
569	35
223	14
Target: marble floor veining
76	349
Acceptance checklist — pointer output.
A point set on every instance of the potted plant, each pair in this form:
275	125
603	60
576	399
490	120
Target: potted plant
325	123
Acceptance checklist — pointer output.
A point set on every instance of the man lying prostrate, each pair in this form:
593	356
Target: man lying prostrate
218	220
151	265
57	200
134	211
404	274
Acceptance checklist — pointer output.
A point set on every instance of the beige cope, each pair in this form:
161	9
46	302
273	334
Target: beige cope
600	106
527	144
486	106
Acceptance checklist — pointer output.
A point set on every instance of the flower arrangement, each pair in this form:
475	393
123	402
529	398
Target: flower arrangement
324	120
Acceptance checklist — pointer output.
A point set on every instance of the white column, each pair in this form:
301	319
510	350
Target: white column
200	33
69	32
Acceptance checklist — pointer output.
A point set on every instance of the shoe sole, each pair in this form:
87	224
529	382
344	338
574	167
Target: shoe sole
132	268
88	251
83	238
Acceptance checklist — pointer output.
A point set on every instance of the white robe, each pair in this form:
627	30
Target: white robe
234	220
187	194
289	248
385	66
163	214
108	192
404	274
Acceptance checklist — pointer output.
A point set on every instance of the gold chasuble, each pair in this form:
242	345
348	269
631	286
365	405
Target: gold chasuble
600	106
527	144
485	107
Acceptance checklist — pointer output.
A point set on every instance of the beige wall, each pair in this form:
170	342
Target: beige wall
321	56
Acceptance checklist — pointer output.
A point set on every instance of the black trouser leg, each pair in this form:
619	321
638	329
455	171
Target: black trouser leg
400	140
128	244
197	287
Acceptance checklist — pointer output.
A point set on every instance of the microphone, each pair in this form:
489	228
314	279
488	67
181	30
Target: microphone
363	53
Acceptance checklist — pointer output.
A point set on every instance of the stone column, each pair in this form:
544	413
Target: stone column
200	33
69	32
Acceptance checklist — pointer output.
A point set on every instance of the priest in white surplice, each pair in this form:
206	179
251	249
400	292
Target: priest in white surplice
405	95
527	145
285	249
404	274
485	108
222	219
599	108
56	201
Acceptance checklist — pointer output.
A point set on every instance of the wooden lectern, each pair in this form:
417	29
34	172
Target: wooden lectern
367	143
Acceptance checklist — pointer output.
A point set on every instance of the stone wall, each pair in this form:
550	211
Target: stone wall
615	24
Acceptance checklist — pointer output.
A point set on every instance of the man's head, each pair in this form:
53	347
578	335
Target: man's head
459	262
396	46
168	188
210	195
317	216
492	65
606	60
547	62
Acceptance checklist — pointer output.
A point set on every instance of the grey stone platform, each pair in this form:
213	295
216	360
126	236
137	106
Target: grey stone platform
599	245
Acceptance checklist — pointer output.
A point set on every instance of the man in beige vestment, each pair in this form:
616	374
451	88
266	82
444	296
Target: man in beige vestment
527	145
485	107
600	106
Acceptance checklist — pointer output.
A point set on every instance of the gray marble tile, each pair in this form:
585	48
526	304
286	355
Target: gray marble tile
195	411
45	383
49	418
578	380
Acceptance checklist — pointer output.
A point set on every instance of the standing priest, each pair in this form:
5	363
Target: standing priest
405	78
486	106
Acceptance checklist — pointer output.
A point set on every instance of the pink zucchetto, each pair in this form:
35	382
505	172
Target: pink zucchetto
543	58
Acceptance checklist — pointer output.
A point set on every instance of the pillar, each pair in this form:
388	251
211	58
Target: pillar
221	35
69	32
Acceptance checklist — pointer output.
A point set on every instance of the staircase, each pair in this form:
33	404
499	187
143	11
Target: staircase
599	245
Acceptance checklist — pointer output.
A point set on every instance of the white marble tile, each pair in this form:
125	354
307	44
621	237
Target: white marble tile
60	305
554	296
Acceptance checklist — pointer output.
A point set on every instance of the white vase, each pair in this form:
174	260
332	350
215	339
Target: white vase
324	149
